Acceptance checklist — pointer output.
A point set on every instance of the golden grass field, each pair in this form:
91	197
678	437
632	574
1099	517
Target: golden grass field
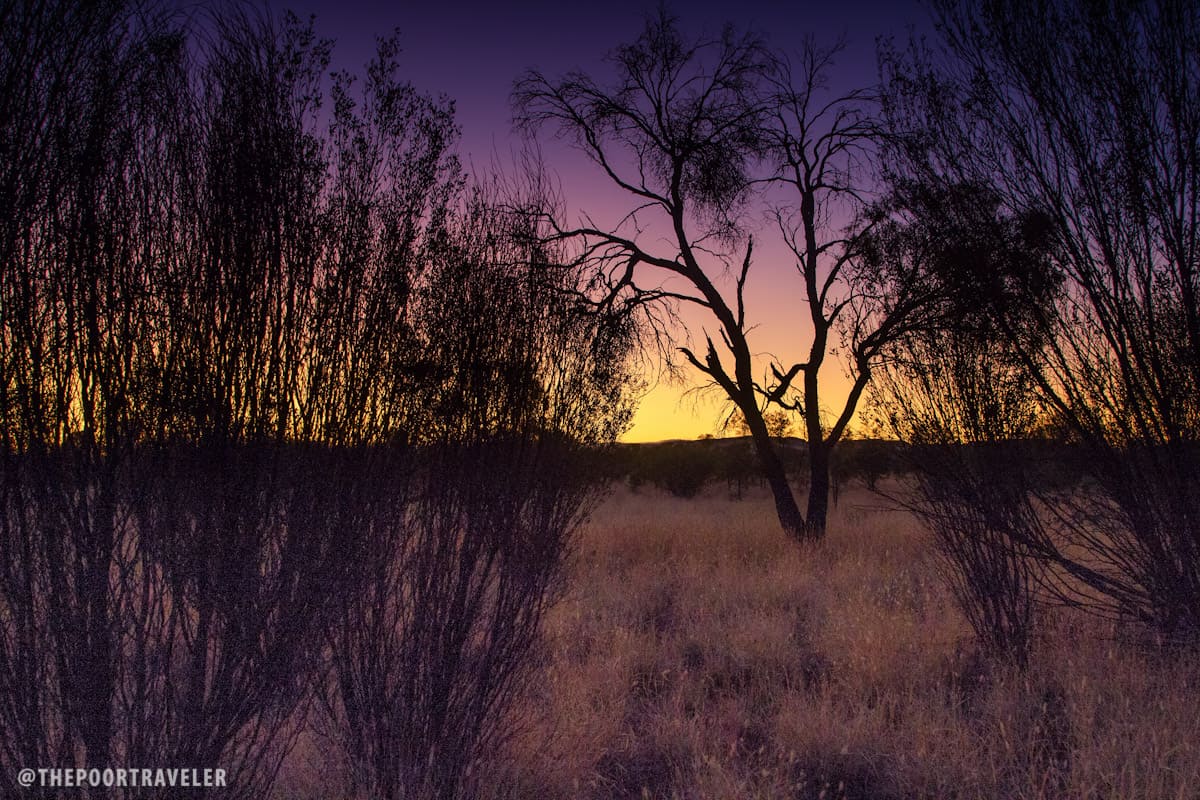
700	654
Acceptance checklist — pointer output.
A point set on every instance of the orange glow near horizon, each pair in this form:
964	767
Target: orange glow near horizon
674	411
671	412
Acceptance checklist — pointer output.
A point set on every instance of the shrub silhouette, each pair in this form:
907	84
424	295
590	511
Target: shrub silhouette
252	372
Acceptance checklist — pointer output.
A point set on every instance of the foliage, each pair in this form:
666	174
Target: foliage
249	356
1078	124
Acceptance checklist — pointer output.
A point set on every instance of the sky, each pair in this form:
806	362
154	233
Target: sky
472	52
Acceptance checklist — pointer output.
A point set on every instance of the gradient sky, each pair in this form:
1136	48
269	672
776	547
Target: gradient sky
472	53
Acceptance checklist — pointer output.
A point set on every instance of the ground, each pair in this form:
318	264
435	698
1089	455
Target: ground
698	653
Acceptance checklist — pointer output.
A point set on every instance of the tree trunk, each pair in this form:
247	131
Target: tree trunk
818	489
785	502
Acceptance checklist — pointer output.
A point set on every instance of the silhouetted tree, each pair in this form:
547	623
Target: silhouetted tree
80	112
955	392
242	535
245	339
695	132
1081	121
439	639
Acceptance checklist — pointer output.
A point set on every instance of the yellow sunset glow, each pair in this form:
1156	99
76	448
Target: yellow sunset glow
673	411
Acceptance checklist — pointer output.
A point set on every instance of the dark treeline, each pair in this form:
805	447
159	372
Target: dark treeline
686	468
288	408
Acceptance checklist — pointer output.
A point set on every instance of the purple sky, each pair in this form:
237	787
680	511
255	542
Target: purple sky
472	52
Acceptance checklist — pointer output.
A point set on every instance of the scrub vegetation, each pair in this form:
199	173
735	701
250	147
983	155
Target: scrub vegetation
307	438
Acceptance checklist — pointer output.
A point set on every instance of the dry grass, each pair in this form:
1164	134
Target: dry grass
699	654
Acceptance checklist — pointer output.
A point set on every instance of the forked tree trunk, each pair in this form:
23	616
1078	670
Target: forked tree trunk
786	508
